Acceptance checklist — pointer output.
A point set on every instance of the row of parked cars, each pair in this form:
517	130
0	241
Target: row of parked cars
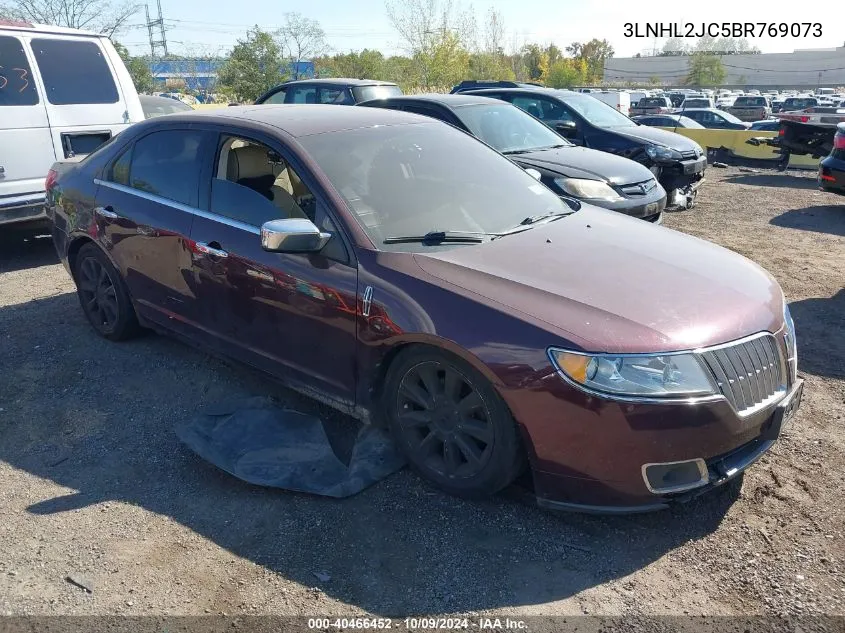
453	282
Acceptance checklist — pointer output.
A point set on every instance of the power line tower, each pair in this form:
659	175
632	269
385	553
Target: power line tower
156	45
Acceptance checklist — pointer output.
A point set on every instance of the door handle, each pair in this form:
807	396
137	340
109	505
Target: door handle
106	212
205	249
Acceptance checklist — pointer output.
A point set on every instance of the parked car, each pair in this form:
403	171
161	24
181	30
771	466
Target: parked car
653	105
588	175
63	93
750	108
667	120
716	119
158	106
769	125
832	168
791	104
677	162
697	102
477	84
329	91
676	98
511	328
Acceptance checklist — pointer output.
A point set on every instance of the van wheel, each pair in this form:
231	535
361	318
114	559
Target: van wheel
450	423
103	295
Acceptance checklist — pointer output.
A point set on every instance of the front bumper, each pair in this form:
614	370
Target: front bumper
587	452
648	207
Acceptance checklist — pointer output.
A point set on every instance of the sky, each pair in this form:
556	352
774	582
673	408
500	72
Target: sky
213	26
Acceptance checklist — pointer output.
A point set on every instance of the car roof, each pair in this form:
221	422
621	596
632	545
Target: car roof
527	90
339	80
32	27
303	120
448	100
702	110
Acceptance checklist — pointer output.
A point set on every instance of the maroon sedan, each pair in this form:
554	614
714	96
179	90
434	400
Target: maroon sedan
408	274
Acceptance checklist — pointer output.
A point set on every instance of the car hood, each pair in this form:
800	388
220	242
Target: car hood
656	135
609	283
581	162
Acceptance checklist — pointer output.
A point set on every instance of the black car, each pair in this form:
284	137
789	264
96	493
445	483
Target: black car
596	177
478	84
667	120
715	119
832	168
330	91
677	161
767	125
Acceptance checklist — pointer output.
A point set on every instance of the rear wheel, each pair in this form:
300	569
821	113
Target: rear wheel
103	295
450	423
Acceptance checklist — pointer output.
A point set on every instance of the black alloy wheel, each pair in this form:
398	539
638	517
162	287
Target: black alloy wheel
103	295
451	424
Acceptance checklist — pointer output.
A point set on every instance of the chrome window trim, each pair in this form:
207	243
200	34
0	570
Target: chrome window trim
690	400
179	206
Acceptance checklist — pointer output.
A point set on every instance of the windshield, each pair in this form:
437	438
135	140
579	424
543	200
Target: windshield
507	128
597	112
402	180
652	102
365	93
800	103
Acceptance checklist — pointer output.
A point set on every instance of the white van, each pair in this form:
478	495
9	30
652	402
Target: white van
619	100
63	92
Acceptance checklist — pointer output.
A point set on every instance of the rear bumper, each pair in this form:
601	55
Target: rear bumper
834	168
24	208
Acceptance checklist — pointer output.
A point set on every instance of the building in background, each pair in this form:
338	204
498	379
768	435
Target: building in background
805	68
200	75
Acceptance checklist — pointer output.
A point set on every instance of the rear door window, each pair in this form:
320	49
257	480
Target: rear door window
276	97
17	87
335	95
74	72
168	164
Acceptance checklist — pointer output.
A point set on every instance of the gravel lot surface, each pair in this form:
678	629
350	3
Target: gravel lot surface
95	486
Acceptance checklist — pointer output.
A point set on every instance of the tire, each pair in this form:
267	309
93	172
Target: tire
451	424
103	295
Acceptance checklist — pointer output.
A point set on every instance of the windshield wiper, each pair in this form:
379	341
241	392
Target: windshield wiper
438	237
534	149
534	219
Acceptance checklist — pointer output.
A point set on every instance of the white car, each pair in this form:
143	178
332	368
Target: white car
63	93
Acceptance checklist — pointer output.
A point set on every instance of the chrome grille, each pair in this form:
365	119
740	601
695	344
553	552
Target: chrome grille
691	153
639	188
750	373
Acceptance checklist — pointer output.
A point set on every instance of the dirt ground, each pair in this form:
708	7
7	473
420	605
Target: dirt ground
95	485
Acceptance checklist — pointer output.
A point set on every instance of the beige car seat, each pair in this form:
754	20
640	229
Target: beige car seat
249	166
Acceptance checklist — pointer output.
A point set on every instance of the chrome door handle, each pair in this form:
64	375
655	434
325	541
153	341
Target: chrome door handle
106	213
204	248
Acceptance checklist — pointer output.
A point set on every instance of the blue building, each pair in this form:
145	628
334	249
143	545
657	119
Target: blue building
201	74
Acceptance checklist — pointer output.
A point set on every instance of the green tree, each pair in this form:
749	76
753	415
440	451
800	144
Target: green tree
365	64
595	53
566	73
536	61
705	69
139	69
254	66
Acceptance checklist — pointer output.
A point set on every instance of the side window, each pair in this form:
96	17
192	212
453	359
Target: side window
74	72
16	85
167	164
531	105
337	96
260	187
303	94
119	170
276	97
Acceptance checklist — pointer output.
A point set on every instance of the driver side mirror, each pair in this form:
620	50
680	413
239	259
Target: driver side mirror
293	235
565	128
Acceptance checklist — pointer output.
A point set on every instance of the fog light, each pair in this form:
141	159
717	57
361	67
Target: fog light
675	476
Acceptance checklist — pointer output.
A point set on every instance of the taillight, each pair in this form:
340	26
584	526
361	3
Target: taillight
839	141
782	132
50	181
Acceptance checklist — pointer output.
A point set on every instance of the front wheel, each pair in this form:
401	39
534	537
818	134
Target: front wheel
103	295
450	423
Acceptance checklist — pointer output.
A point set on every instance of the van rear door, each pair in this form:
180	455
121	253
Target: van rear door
84	100
26	146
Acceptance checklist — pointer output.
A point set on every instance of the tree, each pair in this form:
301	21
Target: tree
566	73
301	39
102	16
366	64
705	69
139	69
536	61
254	66
595	53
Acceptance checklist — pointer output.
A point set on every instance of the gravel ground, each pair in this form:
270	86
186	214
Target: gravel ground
95	485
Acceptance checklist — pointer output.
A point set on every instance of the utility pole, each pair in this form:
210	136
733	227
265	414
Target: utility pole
156	45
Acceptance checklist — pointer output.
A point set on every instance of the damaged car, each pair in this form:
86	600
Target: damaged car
410	275
678	162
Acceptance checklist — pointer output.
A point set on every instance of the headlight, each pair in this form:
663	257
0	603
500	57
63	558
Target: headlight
592	189
660	152
638	375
